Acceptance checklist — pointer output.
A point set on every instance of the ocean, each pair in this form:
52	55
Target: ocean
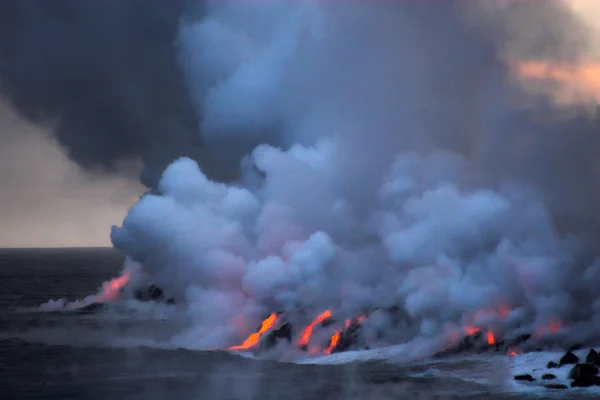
121	353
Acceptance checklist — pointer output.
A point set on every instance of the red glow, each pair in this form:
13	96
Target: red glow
306	334
111	289
552	327
253	339
471	330
503	312
512	353
490	338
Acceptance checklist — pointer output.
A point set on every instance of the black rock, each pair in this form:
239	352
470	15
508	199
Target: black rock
170	300
583	372
551	365
593	358
556	386
568	358
593	381
282	333
524	377
548	376
151	293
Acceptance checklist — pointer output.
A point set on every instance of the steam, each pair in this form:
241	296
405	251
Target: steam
406	167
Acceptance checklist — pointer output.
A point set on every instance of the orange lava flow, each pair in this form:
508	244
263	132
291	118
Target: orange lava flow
255	337
335	339
490	338
333	342
111	289
306	334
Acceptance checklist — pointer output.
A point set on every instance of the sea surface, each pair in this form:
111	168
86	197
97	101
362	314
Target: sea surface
116	353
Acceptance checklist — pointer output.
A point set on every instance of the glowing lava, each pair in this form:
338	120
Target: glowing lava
253	339
306	334
335	339
490	338
471	330
111	289
333	342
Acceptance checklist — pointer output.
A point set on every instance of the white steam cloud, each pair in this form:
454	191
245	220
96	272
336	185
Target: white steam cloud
410	170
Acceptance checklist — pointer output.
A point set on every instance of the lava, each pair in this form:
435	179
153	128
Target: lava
471	330
335	339
490	338
333	342
111	289
306	334
253	339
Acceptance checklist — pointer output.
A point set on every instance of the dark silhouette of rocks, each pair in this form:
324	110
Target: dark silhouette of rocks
524	377
593	358
556	386
568	358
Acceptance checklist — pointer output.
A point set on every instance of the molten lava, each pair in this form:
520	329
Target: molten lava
307	333
253	339
111	289
335	339
490	338
471	330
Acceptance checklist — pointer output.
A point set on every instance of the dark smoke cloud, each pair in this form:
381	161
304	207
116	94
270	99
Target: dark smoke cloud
104	75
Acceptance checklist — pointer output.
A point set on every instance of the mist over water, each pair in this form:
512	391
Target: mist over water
395	160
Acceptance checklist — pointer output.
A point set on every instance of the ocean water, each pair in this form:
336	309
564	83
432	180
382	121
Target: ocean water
120	353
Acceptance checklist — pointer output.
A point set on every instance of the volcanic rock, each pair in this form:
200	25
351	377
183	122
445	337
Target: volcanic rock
593	381
556	386
548	376
552	364
151	293
593	358
282	333
524	377
583	371
568	358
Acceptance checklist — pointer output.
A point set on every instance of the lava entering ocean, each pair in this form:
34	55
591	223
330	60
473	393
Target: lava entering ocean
254	338
112	289
425	186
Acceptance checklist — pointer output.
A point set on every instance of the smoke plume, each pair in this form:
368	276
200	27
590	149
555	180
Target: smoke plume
408	167
104	76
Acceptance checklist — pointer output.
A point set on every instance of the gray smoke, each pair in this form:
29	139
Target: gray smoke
413	171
